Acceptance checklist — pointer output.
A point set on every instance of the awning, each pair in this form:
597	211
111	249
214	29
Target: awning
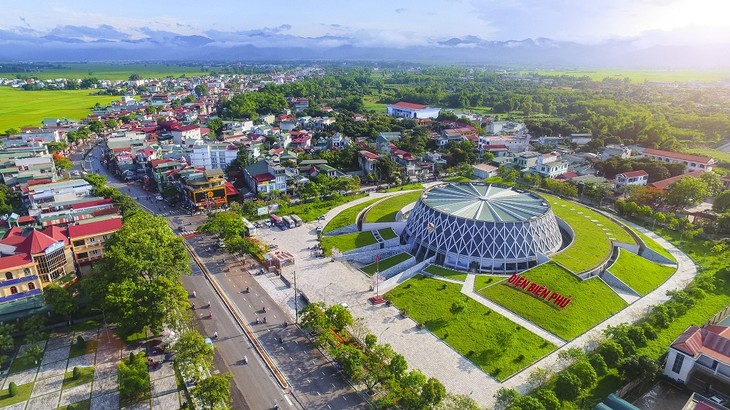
230	189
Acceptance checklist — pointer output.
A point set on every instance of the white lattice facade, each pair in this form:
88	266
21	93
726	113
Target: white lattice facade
483	246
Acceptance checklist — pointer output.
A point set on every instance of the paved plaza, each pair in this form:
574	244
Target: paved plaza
335	282
102	392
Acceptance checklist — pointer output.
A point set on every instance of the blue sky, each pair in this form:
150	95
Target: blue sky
392	23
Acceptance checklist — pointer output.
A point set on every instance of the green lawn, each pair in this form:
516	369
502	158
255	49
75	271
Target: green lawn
445	272
87	325
347	242
386	210
77	350
81	405
387	233
86	376
21	363
22	394
386	263
347	217
406	187
494	343
591	244
312	210
482	281
20	108
592	301
459	178
642	275
653	245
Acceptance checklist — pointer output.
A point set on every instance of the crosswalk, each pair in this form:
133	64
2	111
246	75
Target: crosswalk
189	234
173	212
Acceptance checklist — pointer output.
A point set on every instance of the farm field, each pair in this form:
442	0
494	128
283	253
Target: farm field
386	210
20	108
593	233
114	71
386	263
347	242
642	275
639	76
592	301
494	343
347	217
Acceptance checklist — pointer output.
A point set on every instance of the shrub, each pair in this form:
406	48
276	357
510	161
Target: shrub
76	373
80	341
611	352
548	399
586	374
12	389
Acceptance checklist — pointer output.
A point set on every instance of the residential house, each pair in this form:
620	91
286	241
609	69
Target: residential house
411	110
300	139
203	189
550	166
299	104
525	160
700	358
368	161
23	170
385	139
614	150
639	177
483	171
185	134
261	177
496	150
580	139
692	162
40	195
339	141
666	183
513	143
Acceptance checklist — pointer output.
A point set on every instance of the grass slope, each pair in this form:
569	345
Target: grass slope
446	273
591	244
310	211
20	108
592	301
347	242
482	281
386	263
653	245
386	210
494	343
347	217
642	275
387	233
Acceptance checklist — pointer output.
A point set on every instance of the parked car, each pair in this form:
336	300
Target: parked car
159	197
319	229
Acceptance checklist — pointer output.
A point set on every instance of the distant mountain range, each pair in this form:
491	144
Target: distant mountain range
105	43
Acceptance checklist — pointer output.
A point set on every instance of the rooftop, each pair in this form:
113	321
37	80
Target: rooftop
677	155
487	203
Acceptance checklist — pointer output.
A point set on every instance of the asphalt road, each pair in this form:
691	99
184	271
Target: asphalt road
315	384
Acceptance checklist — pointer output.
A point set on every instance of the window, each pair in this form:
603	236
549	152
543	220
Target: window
26	271
79	243
82	255
31	286
95	253
678	360
8	275
13	290
105	237
92	240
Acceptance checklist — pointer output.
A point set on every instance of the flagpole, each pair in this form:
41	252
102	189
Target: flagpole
377	275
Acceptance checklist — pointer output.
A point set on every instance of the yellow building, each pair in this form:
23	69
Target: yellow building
205	190
19	278
87	240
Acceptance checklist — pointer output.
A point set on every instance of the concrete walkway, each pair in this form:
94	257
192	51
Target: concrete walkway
468	290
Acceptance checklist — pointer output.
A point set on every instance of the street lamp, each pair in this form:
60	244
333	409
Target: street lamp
325	292
380	337
106	329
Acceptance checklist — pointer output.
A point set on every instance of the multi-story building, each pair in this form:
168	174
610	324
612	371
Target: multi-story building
213	156
41	195
513	143
204	189
264	177
87	240
368	161
411	110
22	170
692	162
701	355
613	150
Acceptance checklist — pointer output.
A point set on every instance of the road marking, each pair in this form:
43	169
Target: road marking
344	397
299	368
328	406
288	401
290	358
323	374
318	394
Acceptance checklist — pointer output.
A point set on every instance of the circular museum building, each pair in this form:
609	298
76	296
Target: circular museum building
482	228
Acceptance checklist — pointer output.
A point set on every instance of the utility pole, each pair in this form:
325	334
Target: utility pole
296	297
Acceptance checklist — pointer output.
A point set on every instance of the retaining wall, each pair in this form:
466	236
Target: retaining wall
405	275
617	283
368	257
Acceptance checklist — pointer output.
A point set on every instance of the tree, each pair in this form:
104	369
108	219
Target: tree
62	301
586	373
527	403
638	366
567	386
548	399
193	357
377	369
96	180
713	182
34	354
611	352
539	377
508	173
9	200
215	125
352	361
214	392
505	398
432	393
457	402
339	317
226	224
687	192
313	317
133	376
7	343
571	355
33	328
62	162
136	282
721	202
598	364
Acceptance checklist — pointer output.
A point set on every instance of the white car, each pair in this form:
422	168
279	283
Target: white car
319	229
158	197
